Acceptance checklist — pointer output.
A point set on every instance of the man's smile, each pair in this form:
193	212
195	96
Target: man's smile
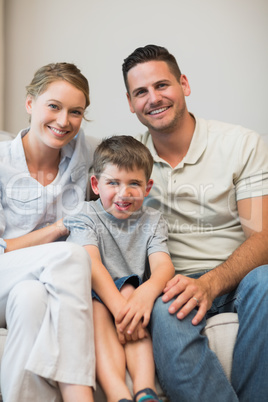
158	111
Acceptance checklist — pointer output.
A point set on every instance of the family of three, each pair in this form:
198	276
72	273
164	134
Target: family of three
189	195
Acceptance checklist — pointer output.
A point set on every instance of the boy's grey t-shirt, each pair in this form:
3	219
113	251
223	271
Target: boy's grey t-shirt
124	244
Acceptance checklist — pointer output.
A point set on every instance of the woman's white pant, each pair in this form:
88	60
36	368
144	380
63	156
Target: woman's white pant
45	300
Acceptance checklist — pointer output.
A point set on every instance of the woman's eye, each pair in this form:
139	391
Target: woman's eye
53	106
77	112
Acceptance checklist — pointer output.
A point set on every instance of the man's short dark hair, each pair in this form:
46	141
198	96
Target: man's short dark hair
150	53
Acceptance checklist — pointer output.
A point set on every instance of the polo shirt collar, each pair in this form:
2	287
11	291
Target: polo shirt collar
198	143
197	146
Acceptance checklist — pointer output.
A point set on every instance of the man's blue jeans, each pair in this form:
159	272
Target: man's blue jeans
189	371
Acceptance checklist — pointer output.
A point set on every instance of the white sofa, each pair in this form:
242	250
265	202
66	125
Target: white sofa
221	331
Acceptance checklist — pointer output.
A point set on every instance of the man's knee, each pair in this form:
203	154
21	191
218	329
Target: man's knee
258	276
255	284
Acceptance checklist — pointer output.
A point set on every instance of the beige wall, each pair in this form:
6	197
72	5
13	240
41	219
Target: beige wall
221	45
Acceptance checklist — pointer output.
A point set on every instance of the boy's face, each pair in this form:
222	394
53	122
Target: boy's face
121	192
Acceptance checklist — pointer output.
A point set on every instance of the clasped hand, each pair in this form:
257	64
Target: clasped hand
191	293
132	320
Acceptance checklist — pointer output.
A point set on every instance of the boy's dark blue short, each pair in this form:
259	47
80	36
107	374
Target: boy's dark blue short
133	280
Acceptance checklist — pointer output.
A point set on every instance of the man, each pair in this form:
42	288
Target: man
211	183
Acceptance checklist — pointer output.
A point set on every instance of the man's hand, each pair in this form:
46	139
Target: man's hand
191	293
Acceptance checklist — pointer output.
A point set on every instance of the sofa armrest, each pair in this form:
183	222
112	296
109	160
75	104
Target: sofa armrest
221	331
5	136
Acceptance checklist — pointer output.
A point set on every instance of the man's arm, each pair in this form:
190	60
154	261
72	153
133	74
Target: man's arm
253	214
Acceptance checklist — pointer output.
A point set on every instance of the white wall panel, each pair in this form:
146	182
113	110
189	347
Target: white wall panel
221	45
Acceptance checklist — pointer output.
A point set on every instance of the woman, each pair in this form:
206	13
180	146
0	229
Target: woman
45	283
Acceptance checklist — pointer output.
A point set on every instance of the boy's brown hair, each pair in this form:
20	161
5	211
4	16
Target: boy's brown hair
124	151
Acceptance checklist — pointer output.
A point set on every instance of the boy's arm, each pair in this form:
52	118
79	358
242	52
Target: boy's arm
140	304
104	286
102	282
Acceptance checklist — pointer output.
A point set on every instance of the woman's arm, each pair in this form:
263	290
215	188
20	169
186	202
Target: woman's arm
45	235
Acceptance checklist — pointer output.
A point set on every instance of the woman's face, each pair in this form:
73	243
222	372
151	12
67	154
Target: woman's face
56	114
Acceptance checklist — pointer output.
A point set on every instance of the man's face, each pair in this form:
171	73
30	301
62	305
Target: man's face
156	96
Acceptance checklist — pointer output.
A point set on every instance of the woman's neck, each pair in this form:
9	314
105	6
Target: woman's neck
42	161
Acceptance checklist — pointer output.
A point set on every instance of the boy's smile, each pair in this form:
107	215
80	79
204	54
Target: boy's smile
121	191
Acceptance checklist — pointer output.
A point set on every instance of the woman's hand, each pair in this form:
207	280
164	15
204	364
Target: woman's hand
60	228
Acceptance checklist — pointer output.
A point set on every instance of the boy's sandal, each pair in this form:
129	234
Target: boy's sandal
149	397
125	400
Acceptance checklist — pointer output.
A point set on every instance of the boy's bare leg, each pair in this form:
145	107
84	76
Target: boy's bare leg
140	364
139	357
76	393
110	355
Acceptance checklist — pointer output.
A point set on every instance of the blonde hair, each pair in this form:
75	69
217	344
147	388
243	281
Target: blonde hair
54	72
124	151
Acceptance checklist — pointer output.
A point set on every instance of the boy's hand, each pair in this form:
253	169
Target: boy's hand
137	310
139	333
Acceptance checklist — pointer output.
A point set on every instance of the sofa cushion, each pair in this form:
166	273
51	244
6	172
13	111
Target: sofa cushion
5	136
221	331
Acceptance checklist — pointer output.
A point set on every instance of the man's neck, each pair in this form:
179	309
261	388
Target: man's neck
173	146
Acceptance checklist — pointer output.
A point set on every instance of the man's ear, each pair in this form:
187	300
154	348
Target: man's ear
130	104
94	184
148	187
185	85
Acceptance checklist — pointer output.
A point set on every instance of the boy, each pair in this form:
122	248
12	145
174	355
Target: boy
120	234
